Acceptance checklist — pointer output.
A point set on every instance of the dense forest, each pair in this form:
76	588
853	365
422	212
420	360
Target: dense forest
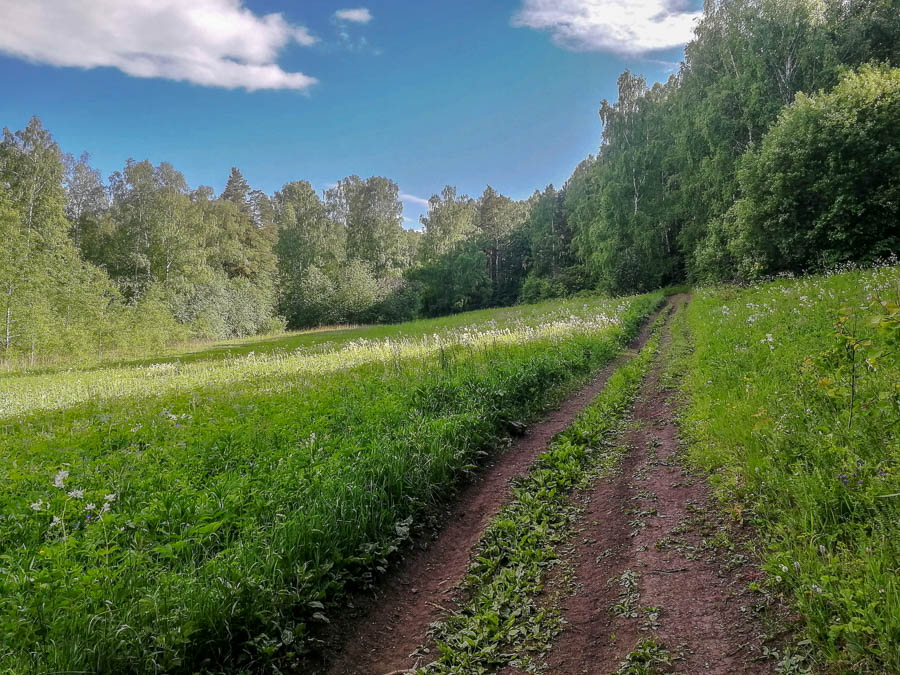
775	148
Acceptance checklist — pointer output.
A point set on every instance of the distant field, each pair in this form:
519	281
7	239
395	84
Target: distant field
322	338
793	402
204	512
312	353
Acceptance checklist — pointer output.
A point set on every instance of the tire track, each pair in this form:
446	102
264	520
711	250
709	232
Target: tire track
422	589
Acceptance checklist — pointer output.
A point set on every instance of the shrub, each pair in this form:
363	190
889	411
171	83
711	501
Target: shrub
824	185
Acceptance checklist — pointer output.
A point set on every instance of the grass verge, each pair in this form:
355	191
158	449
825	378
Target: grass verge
793	407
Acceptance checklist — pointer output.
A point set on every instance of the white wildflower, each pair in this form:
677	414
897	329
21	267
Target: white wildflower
90	507
110	497
59	480
38	505
76	494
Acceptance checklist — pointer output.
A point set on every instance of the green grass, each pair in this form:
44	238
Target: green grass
319	354
504	623
793	391
328	338
207	516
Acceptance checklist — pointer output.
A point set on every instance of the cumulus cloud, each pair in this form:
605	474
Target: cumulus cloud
360	15
620	26
215	43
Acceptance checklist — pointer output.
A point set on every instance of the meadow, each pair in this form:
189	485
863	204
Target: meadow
792	403
207	514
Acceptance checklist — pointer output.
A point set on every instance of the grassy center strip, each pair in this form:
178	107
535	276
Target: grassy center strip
503	623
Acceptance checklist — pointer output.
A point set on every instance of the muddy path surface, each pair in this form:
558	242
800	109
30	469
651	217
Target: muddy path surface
653	560
420	591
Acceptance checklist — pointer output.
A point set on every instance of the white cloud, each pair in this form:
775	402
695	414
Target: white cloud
360	15
215	43
405	197
620	26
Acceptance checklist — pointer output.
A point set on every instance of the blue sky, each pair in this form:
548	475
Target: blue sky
466	93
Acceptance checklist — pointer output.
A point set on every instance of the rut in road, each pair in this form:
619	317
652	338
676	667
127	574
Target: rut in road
422	588
655	564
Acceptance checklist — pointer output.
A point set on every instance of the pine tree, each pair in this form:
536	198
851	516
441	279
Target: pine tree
237	190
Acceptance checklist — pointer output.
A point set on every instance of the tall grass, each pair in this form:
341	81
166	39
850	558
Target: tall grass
327	353
794	406
204	524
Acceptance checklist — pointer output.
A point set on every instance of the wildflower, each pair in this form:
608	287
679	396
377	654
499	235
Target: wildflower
784	568
817	589
104	508
60	478
90	507
110	497
822	549
76	494
56	521
38	505
796	565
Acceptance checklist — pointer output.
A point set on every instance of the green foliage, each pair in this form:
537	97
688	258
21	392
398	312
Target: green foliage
823	186
538	288
206	516
399	300
793	394
370	211
458	281
657	204
85	278
450	220
237	190
649	657
714	174
50	299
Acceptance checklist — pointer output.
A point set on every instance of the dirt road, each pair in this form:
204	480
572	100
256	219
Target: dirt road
652	562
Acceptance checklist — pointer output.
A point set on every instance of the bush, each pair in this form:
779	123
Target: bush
536	289
823	187
457	282
401	300
356	291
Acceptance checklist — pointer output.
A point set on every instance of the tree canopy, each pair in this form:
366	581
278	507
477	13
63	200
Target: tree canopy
774	148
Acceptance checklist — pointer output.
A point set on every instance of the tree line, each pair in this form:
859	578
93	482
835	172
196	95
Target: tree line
765	153
775	147
141	260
